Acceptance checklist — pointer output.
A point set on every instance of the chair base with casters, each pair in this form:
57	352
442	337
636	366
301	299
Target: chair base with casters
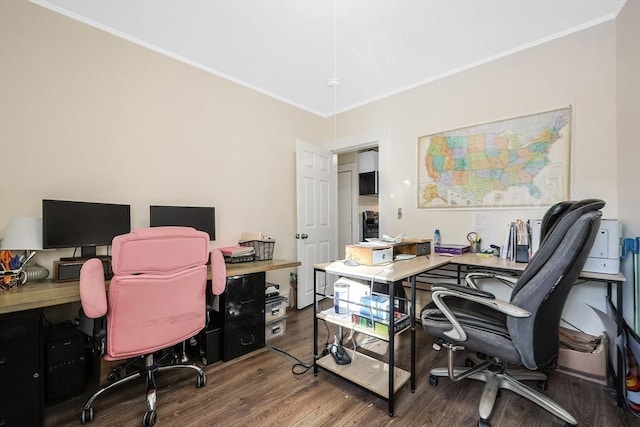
498	376
149	372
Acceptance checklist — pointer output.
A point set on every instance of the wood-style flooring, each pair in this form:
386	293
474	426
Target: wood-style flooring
260	389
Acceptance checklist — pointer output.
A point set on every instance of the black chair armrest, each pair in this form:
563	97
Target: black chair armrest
457	333
464	289
474	277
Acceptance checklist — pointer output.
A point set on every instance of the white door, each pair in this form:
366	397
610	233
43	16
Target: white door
316	232
348	223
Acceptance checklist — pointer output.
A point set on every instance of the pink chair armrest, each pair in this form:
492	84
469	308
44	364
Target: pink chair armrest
92	290
218	272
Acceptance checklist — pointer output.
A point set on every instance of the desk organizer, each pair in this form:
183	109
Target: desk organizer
263	248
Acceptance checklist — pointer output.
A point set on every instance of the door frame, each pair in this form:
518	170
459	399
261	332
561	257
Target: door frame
378	138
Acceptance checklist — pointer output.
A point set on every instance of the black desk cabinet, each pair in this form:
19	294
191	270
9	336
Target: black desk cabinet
21	402
241	313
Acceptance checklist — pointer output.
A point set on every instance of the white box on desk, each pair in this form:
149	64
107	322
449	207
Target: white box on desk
369	255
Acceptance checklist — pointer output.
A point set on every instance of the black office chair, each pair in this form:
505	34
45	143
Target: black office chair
524	331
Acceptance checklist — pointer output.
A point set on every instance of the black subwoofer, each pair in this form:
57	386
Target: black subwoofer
66	363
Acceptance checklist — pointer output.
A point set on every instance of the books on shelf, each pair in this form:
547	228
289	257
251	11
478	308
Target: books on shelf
400	321
376	324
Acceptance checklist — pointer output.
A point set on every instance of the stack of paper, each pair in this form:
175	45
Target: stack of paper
518	233
237	251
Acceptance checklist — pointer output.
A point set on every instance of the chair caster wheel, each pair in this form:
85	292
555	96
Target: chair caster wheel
86	416
201	381
433	380
483	423
150	418
542	385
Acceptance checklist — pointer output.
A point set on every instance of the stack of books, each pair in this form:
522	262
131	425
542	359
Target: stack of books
234	254
451	249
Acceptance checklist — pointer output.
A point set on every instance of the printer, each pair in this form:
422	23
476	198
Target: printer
605	253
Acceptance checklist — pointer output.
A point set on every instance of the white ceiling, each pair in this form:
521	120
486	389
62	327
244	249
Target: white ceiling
291	49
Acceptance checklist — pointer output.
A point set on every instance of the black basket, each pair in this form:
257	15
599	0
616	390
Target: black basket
236	259
263	248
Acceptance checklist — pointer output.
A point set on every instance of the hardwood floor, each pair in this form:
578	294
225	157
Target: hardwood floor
260	389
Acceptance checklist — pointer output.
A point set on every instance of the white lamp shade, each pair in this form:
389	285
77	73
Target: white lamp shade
23	233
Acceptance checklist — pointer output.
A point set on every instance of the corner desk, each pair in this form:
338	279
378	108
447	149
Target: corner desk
22	342
409	270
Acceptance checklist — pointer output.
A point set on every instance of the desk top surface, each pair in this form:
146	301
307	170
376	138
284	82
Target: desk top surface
400	270
46	294
391	272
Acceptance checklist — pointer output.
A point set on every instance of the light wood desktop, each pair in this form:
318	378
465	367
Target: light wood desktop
402	270
47	294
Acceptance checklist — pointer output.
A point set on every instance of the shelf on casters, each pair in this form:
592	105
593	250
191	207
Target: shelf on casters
367	372
346	322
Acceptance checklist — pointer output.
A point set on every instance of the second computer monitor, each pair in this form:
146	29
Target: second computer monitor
198	217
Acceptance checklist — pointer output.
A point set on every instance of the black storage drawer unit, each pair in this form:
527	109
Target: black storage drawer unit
21	400
243	339
240	311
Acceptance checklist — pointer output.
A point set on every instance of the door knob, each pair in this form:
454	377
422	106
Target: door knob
304	236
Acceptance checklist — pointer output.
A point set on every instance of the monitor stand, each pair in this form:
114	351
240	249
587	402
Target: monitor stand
86	252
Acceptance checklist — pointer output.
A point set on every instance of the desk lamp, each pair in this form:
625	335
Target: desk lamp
25	233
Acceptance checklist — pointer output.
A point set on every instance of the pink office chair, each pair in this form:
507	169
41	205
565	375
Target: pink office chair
156	299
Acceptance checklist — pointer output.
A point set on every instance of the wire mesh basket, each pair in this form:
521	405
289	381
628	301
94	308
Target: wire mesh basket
263	248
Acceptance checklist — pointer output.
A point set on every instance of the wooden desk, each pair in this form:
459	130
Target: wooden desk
47	294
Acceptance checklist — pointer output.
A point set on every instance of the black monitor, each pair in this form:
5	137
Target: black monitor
69	224
200	218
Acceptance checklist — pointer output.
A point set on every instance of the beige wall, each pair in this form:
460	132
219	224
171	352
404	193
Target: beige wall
628	116
88	116
577	70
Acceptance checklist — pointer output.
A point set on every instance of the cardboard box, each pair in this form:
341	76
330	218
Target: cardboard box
586	364
369	255
410	246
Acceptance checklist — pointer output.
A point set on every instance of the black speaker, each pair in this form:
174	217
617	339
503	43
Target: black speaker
210	344
69	271
66	363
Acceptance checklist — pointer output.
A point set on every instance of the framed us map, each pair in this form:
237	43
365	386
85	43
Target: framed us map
523	161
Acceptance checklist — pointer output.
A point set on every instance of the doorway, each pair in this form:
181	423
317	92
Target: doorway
353	224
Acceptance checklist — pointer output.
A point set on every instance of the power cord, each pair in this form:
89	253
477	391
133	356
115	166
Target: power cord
299	367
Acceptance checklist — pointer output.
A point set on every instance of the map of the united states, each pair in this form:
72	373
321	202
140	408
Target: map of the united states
505	163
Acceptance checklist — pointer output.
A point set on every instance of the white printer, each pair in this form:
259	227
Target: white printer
605	253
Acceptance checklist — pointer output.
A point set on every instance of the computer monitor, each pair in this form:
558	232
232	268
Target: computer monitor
200	218
69	224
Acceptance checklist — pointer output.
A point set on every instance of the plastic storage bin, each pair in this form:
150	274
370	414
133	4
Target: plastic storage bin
275	308
275	329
